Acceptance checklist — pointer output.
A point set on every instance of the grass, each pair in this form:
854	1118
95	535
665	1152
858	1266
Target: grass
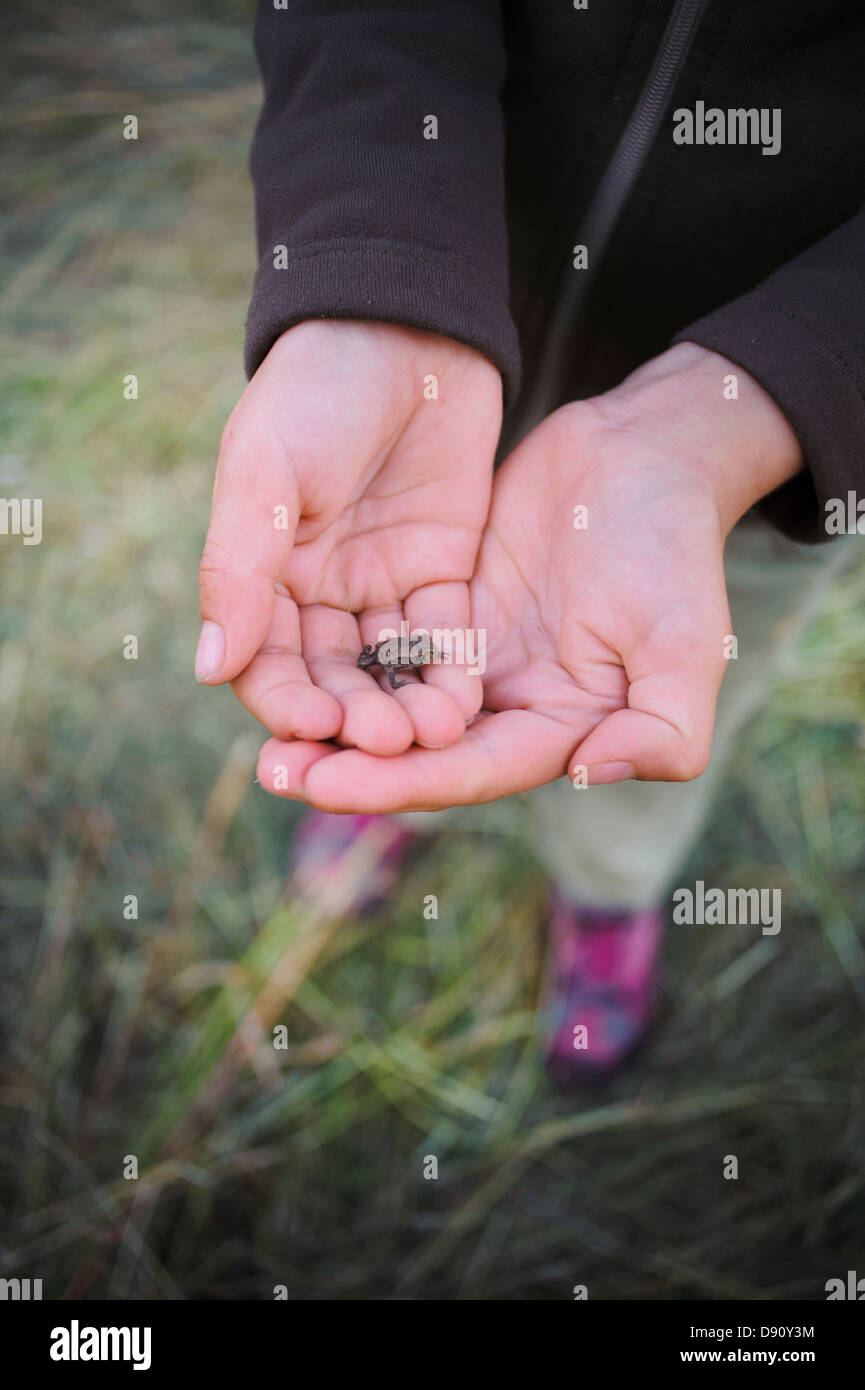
150	1035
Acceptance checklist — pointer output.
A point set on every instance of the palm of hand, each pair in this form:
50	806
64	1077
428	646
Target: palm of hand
590	632
385	490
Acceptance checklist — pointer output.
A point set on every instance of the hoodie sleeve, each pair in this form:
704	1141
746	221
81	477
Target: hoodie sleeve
377	165
801	334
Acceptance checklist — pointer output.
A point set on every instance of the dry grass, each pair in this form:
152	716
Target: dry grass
406	1037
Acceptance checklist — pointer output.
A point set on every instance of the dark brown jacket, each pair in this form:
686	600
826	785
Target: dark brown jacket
540	105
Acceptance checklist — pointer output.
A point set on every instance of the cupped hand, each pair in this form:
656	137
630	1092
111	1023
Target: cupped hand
351	492
600	587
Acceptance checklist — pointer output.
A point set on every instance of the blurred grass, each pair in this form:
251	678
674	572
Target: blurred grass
406	1037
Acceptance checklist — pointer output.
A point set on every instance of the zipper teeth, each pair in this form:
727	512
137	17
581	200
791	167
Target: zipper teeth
613	191
630	153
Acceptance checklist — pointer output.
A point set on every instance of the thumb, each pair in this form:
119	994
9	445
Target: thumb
665	733
253	522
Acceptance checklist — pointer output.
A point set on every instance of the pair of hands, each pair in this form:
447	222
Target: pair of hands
346	500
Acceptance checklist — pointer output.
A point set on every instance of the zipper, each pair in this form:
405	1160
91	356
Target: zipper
617	183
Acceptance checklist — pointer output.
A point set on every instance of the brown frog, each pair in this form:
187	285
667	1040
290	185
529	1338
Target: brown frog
396	654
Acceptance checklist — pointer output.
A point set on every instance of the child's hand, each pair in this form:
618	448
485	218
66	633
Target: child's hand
605	644
351	492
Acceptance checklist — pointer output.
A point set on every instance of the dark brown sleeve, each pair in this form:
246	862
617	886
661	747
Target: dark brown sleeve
375	221
801	334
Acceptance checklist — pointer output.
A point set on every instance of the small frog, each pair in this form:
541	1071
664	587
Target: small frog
399	654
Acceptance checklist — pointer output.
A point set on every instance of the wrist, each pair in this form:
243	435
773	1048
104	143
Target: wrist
716	419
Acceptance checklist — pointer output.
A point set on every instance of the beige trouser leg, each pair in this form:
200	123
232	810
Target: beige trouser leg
620	846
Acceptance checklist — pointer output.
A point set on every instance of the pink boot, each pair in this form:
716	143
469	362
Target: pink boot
599	988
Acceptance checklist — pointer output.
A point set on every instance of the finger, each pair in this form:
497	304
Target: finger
276	687
283	767
443	610
500	754
371	719
436	718
252	526
665	733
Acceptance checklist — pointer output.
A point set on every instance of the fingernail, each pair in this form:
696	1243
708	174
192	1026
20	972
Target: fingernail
211	652
601	774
